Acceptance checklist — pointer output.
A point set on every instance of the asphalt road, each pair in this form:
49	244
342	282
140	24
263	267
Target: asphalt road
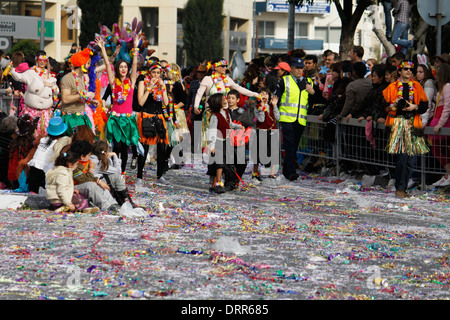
313	239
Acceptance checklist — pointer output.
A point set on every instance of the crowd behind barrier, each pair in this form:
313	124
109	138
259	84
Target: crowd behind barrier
388	117
359	148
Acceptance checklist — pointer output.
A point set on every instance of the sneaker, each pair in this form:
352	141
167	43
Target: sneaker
162	180
272	177
412	183
62	209
133	163
139	182
219	188
91	210
401	194
444	181
114	208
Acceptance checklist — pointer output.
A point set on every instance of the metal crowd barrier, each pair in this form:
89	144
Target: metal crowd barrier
346	145
7	101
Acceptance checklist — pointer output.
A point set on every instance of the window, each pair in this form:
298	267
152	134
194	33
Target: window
266	28
333	36
150	24
9	8
301	30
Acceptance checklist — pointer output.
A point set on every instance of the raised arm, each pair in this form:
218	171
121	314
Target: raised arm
101	43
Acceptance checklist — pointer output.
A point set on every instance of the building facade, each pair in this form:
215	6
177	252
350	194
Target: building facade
254	26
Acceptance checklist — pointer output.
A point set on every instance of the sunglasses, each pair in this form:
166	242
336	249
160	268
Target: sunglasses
408	69
223	66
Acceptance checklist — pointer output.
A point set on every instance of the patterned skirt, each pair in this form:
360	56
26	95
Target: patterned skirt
45	115
403	140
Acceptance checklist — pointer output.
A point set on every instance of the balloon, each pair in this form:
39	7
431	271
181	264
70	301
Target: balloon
139	27
124	52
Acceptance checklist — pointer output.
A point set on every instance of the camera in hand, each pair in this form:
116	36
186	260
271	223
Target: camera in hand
400	106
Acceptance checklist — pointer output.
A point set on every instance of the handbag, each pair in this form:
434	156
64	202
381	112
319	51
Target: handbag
148	127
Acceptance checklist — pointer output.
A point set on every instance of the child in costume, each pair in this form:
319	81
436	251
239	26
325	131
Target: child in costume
267	115
60	189
41	163
21	151
220	148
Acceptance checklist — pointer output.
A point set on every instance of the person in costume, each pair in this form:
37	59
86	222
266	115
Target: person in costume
152	97
220	127
406	101
121	127
75	93
38	100
174	112
440	147
40	163
216	82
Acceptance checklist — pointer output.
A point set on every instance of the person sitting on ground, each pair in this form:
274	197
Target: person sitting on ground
108	168
90	186
60	190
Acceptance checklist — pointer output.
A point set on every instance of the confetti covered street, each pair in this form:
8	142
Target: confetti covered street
317	238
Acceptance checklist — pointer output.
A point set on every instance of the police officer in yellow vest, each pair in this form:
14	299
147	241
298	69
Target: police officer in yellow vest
293	94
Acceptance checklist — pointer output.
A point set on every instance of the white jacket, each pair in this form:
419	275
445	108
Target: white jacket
60	185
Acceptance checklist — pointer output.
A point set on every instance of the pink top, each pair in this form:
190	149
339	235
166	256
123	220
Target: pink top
127	106
444	101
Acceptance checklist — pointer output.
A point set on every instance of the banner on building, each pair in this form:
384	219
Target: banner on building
318	7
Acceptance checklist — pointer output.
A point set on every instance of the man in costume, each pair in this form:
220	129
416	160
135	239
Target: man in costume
75	93
405	102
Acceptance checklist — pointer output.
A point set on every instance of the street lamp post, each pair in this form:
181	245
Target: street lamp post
42	25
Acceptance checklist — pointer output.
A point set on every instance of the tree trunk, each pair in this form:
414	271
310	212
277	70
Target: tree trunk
378	30
347	42
421	35
349	20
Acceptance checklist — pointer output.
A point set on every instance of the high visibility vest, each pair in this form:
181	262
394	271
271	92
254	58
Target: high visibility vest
293	103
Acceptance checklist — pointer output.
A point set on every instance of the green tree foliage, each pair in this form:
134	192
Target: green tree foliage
93	13
202	28
26	47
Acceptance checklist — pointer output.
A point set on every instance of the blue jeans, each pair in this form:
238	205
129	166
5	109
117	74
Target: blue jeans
404	168
292	132
387	5
400	36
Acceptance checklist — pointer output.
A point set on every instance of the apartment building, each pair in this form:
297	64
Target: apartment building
254	26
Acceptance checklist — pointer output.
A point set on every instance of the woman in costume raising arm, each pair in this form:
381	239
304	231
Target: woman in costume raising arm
122	127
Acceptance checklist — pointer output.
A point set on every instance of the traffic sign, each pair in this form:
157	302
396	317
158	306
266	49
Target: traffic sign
428	10
6	43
